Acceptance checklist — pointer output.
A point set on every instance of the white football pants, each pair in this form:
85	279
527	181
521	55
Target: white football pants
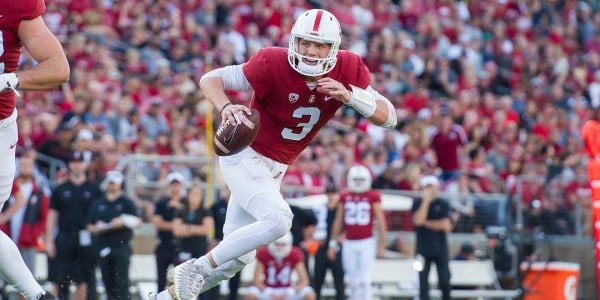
257	214
358	257
12	267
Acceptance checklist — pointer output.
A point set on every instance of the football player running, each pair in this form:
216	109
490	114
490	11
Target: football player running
21	24
358	206
296	91
273	273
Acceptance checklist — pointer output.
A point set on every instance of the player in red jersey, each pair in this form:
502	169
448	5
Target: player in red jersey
273	273
359	206
296	91
21	24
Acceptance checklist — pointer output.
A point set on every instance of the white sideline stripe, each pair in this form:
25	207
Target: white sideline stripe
390	277
388	202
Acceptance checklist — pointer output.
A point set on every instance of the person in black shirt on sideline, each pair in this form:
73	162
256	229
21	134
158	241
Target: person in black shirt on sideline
112	220
191	226
325	215
431	217
219	211
69	247
164	212
303	227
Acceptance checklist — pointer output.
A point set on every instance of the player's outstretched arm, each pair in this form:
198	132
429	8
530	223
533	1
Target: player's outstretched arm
374	106
259	274
302	273
52	67
381	229
368	102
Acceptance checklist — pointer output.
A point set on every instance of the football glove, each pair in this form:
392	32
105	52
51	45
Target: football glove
9	81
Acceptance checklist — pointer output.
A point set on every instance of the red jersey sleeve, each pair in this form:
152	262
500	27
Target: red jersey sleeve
363	76
262	255
256	71
25	9
375	196
352	66
37	8
296	256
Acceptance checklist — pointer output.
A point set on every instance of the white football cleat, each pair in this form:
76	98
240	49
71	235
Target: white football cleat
188	279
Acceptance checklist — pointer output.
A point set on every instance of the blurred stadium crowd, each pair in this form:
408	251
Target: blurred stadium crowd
491	93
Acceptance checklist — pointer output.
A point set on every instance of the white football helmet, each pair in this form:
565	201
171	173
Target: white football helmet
359	179
320	26
281	247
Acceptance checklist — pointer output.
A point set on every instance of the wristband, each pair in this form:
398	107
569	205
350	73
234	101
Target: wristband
222	108
333	244
362	101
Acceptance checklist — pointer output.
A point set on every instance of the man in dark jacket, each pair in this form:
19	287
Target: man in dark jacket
112	220
431	217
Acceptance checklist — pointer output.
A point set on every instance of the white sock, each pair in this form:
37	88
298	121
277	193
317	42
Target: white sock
205	265
222	272
14	270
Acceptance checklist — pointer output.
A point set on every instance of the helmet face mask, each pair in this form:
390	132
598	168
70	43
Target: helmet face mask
281	247
359	179
318	26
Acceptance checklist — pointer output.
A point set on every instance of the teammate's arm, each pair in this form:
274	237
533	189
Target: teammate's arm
381	228
216	82
52	67
336	229
302	276
259	274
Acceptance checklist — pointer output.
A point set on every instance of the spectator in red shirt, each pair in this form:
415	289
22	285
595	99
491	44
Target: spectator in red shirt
447	144
29	214
417	100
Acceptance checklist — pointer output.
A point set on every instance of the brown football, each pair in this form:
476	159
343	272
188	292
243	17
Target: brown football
233	138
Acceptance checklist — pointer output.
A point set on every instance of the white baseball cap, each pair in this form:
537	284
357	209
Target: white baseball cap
429	180
85	134
175	176
114	176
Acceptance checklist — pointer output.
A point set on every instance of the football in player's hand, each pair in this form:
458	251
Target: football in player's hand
233	138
